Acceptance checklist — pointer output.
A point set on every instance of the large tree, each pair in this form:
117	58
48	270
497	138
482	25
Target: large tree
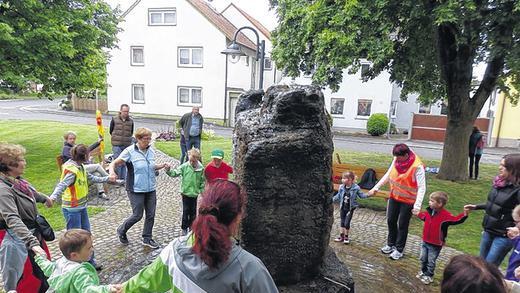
61	44
428	47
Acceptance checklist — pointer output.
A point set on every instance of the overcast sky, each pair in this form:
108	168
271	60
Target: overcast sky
259	9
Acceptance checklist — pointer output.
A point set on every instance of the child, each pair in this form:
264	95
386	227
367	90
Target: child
73	272
436	221
192	184
347	196
217	168
514	259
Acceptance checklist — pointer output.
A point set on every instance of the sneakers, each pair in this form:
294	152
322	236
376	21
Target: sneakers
122	237
426	280
346	240
120	182
103	195
387	249
395	255
184	232
98	267
340	238
419	275
151	243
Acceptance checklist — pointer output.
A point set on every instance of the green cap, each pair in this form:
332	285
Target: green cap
217	153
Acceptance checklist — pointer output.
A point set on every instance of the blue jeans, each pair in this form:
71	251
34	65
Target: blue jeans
494	248
121	169
429	254
192	141
78	219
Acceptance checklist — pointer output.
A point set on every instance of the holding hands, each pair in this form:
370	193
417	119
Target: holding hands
115	288
415	212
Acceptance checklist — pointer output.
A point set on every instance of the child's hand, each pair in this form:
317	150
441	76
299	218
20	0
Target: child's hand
39	251
115	288
415	212
466	210
513	232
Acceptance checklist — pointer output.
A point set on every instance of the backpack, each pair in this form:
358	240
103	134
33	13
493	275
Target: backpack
368	180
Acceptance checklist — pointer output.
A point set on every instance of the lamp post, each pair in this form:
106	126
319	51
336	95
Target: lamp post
234	50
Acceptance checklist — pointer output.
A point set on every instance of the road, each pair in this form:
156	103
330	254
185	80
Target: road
44	109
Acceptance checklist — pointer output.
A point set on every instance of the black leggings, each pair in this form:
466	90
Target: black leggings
474	158
189	211
398	216
346	217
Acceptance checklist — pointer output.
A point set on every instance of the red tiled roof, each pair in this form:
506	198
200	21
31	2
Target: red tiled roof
253	20
222	23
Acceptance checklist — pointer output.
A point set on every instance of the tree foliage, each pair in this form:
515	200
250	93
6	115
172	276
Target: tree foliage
61	44
428	47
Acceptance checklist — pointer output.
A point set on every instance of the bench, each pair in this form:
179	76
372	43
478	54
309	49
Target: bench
338	168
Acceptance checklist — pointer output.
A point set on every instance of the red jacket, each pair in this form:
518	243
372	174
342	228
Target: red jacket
436	225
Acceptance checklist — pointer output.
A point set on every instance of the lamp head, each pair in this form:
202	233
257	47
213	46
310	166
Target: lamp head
233	50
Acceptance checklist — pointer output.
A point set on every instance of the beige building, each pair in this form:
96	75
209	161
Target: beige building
506	125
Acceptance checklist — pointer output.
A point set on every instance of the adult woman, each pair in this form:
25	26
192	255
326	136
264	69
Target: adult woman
74	184
17	224
407	187
502	199
476	146
140	185
207	259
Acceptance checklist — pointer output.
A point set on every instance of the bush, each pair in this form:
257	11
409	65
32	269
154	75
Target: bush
377	124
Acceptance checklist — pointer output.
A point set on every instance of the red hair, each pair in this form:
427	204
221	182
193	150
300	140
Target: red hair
222	203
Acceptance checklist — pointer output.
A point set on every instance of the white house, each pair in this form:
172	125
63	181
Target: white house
169	59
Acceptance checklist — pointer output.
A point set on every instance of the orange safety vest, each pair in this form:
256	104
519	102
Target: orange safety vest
403	187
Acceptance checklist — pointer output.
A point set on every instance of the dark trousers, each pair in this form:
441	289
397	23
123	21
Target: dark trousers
474	158
189	211
141	201
398	216
346	217
192	142
429	254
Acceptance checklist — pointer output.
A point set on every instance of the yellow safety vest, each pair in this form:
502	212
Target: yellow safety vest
76	194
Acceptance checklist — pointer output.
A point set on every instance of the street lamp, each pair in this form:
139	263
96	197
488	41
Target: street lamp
235	50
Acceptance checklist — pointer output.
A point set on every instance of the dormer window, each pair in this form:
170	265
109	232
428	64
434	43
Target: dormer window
162	16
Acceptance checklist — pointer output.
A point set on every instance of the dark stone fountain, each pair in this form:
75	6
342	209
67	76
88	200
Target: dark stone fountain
283	155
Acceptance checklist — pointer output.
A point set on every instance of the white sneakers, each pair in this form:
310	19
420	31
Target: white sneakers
426	280
387	249
395	255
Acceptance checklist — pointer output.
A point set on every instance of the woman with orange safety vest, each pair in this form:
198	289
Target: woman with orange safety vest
407	187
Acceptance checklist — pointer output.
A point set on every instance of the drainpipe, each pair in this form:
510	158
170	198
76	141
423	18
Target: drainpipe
225	90
501	118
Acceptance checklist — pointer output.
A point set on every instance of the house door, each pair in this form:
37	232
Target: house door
233	99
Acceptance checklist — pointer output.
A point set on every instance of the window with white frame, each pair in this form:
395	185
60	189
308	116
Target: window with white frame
189	57
336	106
138	93
189	96
137	58
393	109
364	107
425	109
162	16
268	63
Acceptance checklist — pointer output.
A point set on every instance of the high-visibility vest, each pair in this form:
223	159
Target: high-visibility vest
76	194
403	187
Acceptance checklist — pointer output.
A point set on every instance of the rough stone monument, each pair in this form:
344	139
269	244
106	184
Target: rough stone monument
282	155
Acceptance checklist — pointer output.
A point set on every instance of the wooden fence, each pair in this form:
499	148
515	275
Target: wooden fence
88	105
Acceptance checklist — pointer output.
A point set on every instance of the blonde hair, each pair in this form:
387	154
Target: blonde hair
348	174
440	197
142	132
10	155
194	153
68	133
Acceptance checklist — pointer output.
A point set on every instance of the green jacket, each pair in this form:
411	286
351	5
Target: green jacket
69	276
192	183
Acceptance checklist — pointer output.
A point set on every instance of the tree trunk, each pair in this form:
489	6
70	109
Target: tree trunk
454	165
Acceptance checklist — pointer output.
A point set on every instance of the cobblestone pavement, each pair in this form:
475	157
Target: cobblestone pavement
372	271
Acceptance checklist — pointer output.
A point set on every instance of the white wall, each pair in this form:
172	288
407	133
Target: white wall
160	75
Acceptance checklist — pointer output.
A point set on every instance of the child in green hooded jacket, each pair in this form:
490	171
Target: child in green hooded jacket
73	273
192	184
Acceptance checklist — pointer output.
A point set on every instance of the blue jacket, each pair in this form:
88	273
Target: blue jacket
514	261
355	193
141	169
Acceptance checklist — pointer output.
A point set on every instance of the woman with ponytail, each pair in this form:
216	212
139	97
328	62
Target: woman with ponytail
208	259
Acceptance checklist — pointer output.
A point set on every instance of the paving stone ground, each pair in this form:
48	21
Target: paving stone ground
372	271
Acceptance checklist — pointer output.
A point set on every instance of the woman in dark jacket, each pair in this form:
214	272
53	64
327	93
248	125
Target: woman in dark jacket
502	199
18	236
476	145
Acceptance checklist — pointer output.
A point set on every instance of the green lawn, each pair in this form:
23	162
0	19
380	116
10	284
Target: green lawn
43	141
464	237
